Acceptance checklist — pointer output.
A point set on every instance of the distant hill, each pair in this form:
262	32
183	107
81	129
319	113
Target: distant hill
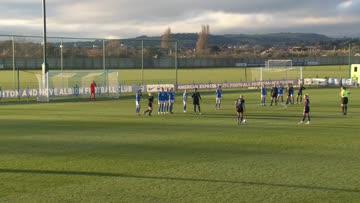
273	39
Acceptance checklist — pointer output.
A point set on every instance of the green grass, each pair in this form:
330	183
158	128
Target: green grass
218	75
186	76
102	152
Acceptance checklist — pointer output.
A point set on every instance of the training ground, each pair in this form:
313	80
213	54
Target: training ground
102	152
28	79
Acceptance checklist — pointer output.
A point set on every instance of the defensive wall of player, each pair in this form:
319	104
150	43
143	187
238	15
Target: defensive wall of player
116	91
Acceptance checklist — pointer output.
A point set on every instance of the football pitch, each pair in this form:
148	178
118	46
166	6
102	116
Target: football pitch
29	79
102	152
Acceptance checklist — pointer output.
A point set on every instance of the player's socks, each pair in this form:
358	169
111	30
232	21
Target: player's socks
346	110
303	120
171	108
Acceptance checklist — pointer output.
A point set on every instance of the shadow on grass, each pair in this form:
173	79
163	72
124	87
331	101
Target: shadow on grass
121	175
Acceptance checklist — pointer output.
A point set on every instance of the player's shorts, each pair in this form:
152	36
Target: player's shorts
290	95
344	100
240	110
307	110
184	102
218	100
196	103
280	95
300	94
171	101
150	105
263	96
137	103
274	95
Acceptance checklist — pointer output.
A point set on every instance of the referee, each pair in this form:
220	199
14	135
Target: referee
345	93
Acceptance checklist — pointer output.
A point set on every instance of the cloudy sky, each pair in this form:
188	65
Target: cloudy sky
130	18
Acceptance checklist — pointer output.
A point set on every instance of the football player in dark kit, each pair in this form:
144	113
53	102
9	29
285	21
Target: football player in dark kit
300	94
150	105
274	95
240	110
196	101
306	110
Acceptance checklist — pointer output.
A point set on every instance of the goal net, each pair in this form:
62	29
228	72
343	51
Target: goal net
277	70
77	83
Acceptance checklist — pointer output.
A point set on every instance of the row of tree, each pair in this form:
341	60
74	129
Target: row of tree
201	44
206	45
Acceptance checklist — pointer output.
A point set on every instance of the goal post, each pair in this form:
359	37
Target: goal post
77	82
278	64
44	85
280	70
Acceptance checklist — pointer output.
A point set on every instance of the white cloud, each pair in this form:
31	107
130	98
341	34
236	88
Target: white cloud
20	22
345	4
326	20
129	18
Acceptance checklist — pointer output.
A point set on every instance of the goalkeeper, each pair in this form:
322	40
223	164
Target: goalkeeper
92	91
